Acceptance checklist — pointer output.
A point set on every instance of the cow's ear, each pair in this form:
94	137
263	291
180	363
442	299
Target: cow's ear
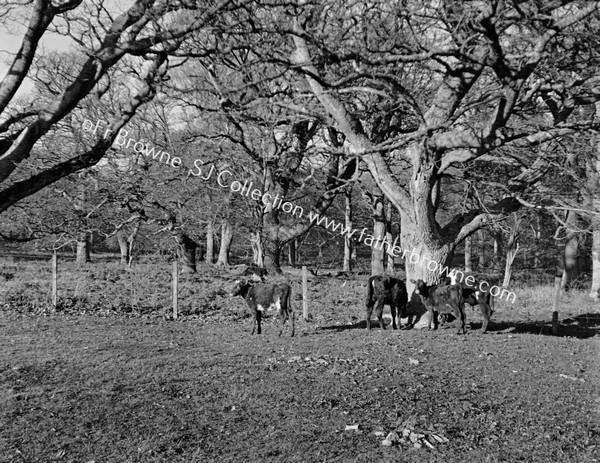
413	281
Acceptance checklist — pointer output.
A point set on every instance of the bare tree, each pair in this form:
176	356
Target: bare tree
474	77
149	31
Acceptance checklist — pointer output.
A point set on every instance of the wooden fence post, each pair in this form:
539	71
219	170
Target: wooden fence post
54	279
175	289
304	293
557	281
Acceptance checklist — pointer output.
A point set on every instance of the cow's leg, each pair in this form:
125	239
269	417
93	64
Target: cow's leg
432	318
254	321
394	312
292	321
257	321
409	322
369	312
459	313
284	317
486	313
379	312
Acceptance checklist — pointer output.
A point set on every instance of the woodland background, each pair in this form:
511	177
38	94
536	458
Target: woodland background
467	129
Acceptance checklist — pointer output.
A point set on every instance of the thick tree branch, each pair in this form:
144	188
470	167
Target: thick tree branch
24	188
352	129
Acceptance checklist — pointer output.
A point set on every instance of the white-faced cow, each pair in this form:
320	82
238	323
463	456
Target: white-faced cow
262	297
474	295
442	299
383	290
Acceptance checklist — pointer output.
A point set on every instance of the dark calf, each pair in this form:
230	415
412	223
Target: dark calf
269	297
383	290
474	295
442	299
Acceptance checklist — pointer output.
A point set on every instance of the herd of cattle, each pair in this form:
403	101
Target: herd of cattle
440	300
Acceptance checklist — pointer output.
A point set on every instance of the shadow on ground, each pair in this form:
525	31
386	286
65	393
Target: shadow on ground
362	325
582	326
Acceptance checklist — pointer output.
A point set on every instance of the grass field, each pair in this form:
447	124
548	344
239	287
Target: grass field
122	383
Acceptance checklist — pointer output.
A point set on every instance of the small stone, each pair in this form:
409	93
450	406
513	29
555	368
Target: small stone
386	443
379	433
405	432
393	437
417	445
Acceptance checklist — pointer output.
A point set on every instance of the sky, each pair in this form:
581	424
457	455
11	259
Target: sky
10	42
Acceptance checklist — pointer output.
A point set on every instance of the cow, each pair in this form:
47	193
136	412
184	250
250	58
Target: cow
442	299
474	295
383	290
269	297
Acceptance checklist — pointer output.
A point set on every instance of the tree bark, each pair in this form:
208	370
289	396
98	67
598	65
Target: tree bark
83	248
497	250
595	289
292	253
512	247
210	242
481	263
537	236
123	248
226	239
571	252
377	248
347	266
126	241
389	258
258	250
468	255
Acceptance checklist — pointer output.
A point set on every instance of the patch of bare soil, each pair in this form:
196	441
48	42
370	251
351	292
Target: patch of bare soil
114	390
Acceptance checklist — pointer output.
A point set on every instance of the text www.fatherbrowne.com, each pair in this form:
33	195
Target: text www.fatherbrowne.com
225	179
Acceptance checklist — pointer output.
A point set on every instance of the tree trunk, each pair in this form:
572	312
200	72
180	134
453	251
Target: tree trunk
347	267
497	251
425	259
226	239
468	260
593	201
595	290
275	254
377	248
571	252
389	258
126	241
511	253
584	263
537	237
481	250
512	247
210	242
258	250
83	248
123	248
186	251
292	253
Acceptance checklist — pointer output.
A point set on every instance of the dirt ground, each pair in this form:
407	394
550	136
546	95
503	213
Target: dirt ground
84	388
